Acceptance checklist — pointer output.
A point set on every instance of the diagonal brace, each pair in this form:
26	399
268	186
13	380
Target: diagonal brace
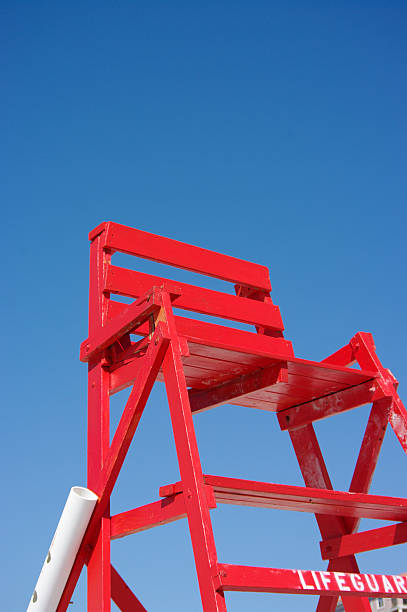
127	320
149	368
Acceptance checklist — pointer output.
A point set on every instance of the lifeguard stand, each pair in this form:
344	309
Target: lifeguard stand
204	365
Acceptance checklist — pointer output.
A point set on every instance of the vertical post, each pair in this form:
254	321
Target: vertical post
199	520
99	579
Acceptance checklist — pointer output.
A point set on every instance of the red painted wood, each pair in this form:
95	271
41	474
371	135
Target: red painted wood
237	388
315	474
363	351
99	581
366	355
369	453
161	512
345	356
302	499
146	517
99	576
222	364
186	256
329	405
197	507
148	369
114	459
129	319
208	366
370	448
123	596
372	539
361	348
130	283
308	582
221	337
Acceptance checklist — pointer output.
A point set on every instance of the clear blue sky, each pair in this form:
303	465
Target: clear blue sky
273	131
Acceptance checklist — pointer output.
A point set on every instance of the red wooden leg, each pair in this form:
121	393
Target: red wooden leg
369	453
99	589
199	520
315	474
99	571
98	433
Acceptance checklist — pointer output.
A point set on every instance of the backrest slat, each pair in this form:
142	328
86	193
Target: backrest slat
122	281
188	257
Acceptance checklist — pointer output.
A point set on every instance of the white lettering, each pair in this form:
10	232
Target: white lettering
387	586
340	579
357	582
371	587
303	583
326	579
398	581
314	575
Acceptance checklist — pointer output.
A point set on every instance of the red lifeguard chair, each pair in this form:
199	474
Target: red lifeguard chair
204	365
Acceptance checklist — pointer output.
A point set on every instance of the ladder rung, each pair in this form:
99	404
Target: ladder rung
308	582
373	539
301	499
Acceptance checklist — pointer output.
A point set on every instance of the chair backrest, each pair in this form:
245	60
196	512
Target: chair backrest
250	303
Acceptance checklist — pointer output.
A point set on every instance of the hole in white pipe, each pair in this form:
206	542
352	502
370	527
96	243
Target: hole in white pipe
35	596
49	556
85	493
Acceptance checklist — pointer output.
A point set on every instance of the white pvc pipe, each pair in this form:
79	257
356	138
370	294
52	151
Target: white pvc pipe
64	547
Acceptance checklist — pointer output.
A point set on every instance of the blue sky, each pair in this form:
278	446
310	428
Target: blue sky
271	131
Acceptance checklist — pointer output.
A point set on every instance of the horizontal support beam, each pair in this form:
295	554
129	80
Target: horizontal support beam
130	283
308	582
302	499
157	513
329	405
373	539
129	318
238	387
186	256
146	517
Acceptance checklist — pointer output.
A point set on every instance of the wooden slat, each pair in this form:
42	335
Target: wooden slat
186	256
363	541
219	336
206	301
327	371
308	582
302	499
